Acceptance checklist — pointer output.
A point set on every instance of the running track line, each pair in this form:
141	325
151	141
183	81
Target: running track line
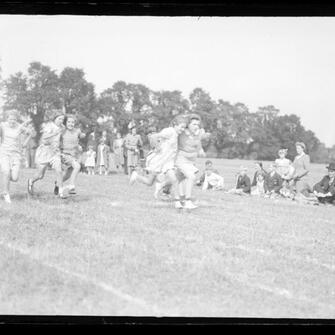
124	296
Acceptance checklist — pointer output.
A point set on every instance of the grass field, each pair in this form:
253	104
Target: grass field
114	250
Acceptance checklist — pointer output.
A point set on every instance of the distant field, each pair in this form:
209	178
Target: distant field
114	250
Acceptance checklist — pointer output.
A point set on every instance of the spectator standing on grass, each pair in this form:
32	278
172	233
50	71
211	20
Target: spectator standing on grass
114	162
90	160
273	181
102	157
118	151
324	190
208	166
300	178
132	142
243	184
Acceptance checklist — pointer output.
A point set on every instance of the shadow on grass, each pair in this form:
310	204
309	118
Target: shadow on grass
52	199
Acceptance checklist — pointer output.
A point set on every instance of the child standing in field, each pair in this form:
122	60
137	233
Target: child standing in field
161	160
11	149
90	160
102	157
70	153
48	153
118	151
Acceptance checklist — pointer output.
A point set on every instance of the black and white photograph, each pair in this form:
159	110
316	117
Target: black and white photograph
160	166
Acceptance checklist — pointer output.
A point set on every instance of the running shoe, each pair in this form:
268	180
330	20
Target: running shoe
62	196
189	205
178	204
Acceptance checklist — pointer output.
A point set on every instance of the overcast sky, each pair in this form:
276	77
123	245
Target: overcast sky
285	62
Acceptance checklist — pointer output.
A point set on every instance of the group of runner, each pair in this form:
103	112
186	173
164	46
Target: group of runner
172	161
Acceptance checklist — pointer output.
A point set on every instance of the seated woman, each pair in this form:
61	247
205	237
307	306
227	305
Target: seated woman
243	185
212	181
259	187
325	189
273	182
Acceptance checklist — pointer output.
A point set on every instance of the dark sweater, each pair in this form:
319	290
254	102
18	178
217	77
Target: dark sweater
324	186
273	183
244	183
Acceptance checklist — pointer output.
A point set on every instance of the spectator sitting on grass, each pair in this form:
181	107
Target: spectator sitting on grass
325	189
273	182
259	170
243	185
212	181
208	166
259	187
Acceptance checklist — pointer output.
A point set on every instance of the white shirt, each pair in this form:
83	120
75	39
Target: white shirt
214	180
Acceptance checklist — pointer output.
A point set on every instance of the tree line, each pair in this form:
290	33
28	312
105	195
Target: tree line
234	131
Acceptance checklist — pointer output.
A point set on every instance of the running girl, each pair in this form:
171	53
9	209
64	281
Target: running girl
69	144
162	159
189	148
10	149
48	153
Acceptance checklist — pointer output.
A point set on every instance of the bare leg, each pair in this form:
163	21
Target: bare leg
6	180
189	182
182	188
172	178
14	176
74	174
67	174
40	173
